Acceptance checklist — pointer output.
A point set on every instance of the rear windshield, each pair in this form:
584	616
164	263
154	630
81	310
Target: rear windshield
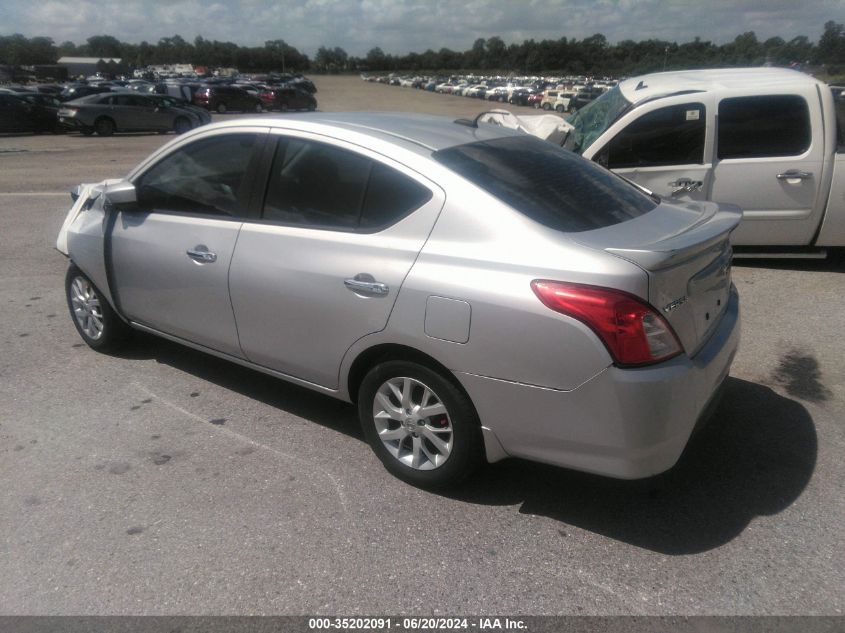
548	184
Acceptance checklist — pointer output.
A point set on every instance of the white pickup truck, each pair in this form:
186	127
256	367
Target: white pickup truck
770	140
765	139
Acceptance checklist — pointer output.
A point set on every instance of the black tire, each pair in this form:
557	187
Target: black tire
221	108
258	108
466	453
536	105
312	107
559	108
104	126
114	331
283	107
181	125
547	106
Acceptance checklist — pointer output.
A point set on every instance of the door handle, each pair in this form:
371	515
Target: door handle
364	284
684	185
201	254
795	174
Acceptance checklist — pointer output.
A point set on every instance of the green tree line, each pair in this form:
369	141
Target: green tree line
591	55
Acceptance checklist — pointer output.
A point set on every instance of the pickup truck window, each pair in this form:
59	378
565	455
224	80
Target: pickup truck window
770	125
673	135
839	104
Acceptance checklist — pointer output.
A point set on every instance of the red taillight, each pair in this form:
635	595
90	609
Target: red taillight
633	332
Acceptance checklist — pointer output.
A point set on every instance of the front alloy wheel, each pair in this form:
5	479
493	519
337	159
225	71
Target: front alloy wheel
95	320
85	303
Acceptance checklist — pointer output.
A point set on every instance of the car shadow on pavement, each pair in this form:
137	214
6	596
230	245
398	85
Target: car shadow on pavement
299	401
833	263
754	457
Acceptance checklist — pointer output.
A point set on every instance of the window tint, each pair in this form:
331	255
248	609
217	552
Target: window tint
205	177
318	185
839	104
390	196
669	136
546	183
777	125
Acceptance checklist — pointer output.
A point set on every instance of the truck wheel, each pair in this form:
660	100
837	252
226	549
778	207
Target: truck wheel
221	108
547	106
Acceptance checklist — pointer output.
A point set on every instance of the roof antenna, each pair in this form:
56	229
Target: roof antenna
640	86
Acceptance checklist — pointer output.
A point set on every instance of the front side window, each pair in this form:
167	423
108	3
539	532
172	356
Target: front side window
321	186
673	135
206	177
770	125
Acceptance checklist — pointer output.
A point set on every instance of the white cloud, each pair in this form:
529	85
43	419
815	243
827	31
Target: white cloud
400	26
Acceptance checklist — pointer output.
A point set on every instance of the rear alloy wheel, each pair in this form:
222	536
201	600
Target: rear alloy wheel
547	106
420	425
259	108
104	126
97	324
181	125
559	108
221	108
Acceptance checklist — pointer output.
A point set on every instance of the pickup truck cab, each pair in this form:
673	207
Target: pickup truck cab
764	139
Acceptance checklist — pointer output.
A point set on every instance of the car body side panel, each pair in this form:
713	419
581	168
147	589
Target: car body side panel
626	423
832	232
513	336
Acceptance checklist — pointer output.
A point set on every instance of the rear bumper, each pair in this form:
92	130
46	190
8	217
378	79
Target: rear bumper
72	123
624	423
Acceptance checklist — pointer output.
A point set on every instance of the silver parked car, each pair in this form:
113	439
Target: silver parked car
113	112
479	293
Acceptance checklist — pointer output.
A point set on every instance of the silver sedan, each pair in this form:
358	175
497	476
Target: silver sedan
478	293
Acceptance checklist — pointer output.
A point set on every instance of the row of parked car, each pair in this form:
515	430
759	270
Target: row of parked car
562	94
132	106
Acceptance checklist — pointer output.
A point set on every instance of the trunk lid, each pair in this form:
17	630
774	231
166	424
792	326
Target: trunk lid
686	253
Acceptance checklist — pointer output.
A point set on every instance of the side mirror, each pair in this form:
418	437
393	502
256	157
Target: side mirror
121	194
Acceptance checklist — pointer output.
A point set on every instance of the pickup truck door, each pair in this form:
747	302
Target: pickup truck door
769	158
665	146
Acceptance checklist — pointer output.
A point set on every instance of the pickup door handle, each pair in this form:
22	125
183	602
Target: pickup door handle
684	185
791	174
201	254
364	284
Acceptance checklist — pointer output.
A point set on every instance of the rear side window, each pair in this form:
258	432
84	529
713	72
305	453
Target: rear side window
770	125
548	184
321	186
669	136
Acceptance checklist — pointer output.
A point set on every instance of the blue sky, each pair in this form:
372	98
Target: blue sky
401	26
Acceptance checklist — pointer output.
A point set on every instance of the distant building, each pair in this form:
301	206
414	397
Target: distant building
90	65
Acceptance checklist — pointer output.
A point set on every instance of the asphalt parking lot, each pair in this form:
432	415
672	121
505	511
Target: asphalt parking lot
164	481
